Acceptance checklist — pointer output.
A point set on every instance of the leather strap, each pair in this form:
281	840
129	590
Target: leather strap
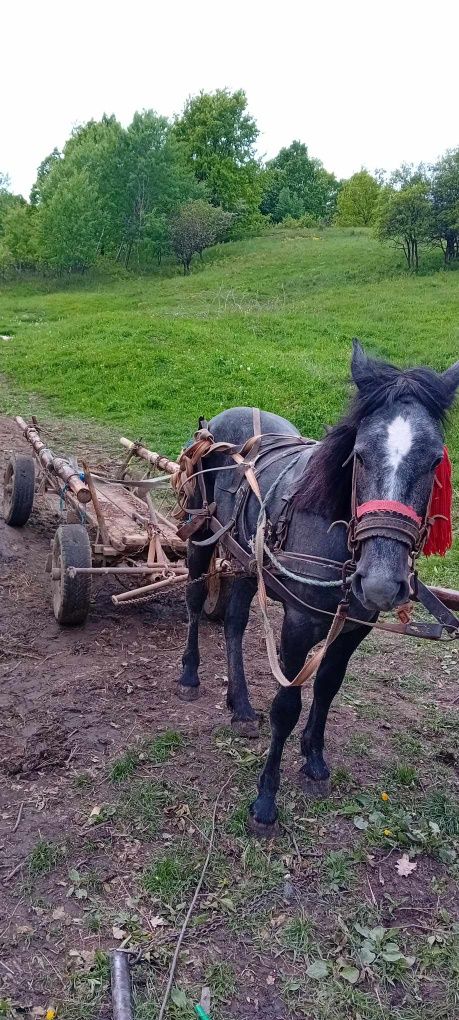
432	603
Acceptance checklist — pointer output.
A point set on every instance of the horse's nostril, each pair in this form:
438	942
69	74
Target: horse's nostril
403	594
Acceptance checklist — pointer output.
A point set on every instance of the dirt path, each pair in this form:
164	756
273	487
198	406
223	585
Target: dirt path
78	851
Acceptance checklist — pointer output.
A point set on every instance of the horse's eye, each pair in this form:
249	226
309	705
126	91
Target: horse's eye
436	463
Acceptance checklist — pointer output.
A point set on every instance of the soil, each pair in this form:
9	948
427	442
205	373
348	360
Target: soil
73	700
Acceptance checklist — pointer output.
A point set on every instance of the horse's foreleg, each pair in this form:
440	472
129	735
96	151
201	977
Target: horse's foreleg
285	712
244	719
315	774
198	561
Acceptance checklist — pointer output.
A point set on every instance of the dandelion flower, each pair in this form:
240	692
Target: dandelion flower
384	796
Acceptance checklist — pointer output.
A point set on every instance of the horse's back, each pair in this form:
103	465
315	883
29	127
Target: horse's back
237	424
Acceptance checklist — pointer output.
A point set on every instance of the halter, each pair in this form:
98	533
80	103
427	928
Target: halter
386	518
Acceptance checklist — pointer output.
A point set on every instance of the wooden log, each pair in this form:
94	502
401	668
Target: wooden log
57	465
448	596
95	502
157	460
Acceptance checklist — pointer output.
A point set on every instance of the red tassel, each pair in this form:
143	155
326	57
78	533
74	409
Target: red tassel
441	533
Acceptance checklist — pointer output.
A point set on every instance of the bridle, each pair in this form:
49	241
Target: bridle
386	518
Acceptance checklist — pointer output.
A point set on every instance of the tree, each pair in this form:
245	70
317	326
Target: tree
445	204
405	217
197	225
20	236
311	188
7	200
155	179
288	204
357	200
71	225
218	136
44	172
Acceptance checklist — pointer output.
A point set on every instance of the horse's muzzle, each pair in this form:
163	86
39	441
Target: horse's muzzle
378	593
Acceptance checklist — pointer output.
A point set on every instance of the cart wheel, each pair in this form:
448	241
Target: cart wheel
18	490
217	596
71	595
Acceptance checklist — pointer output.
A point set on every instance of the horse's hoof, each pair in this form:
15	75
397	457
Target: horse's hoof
187	693
314	789
260	830
248	728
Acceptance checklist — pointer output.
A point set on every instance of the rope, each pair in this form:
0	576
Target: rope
300	577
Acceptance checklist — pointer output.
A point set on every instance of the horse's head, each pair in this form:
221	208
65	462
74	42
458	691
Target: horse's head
398	445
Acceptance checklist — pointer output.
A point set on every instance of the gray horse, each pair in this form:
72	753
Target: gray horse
393	433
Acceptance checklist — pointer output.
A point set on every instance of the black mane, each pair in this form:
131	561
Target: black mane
325	487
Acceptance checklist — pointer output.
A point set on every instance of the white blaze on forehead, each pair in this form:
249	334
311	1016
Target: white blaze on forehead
398	445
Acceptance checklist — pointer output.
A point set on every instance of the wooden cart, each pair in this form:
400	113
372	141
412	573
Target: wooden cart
110	525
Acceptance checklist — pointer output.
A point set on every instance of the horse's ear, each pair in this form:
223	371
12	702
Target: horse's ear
451	380
361	364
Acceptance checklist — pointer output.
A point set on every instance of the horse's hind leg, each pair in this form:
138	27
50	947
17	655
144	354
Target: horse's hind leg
245	720
315	774
198	561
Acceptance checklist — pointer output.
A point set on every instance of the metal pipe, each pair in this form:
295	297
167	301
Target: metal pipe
121	986
156	568
125	596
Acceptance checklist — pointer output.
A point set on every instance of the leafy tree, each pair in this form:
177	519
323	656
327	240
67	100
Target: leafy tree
311	188
405	217
7	199
288	204
44	172
445	204
357	200
71	225
20	236
197	225
156	179
218	136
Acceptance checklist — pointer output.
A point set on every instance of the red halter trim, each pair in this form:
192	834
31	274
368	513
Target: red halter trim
391	505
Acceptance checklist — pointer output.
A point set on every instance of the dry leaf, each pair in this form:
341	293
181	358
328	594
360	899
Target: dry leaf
270	979
156	922
404	866
118	933
95	811
58	914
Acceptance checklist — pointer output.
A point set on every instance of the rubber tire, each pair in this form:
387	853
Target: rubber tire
217	597
71	595
20	470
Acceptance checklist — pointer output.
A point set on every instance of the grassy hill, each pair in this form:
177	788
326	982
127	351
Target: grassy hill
267	321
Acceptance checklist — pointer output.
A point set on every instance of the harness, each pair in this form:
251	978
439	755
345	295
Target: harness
375	518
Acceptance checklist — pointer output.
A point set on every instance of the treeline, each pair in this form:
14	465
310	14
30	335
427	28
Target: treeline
173	188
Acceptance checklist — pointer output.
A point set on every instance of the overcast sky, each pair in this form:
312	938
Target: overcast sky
363	83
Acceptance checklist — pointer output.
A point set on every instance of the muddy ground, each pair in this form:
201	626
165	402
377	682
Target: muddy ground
80	839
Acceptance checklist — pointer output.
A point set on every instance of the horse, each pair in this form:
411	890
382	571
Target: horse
386	447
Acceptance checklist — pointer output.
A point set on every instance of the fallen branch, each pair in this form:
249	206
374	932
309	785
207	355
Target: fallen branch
18	819
192	904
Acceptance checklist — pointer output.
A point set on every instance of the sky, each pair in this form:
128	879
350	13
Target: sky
361	83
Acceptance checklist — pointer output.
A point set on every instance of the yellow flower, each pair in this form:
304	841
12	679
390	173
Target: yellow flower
388	832
384	796
50	1014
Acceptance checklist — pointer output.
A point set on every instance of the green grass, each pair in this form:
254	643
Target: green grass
43	858
266	321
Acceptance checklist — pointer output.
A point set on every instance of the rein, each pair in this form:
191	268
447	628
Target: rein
382	518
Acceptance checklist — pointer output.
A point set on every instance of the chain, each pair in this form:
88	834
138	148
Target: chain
196	580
